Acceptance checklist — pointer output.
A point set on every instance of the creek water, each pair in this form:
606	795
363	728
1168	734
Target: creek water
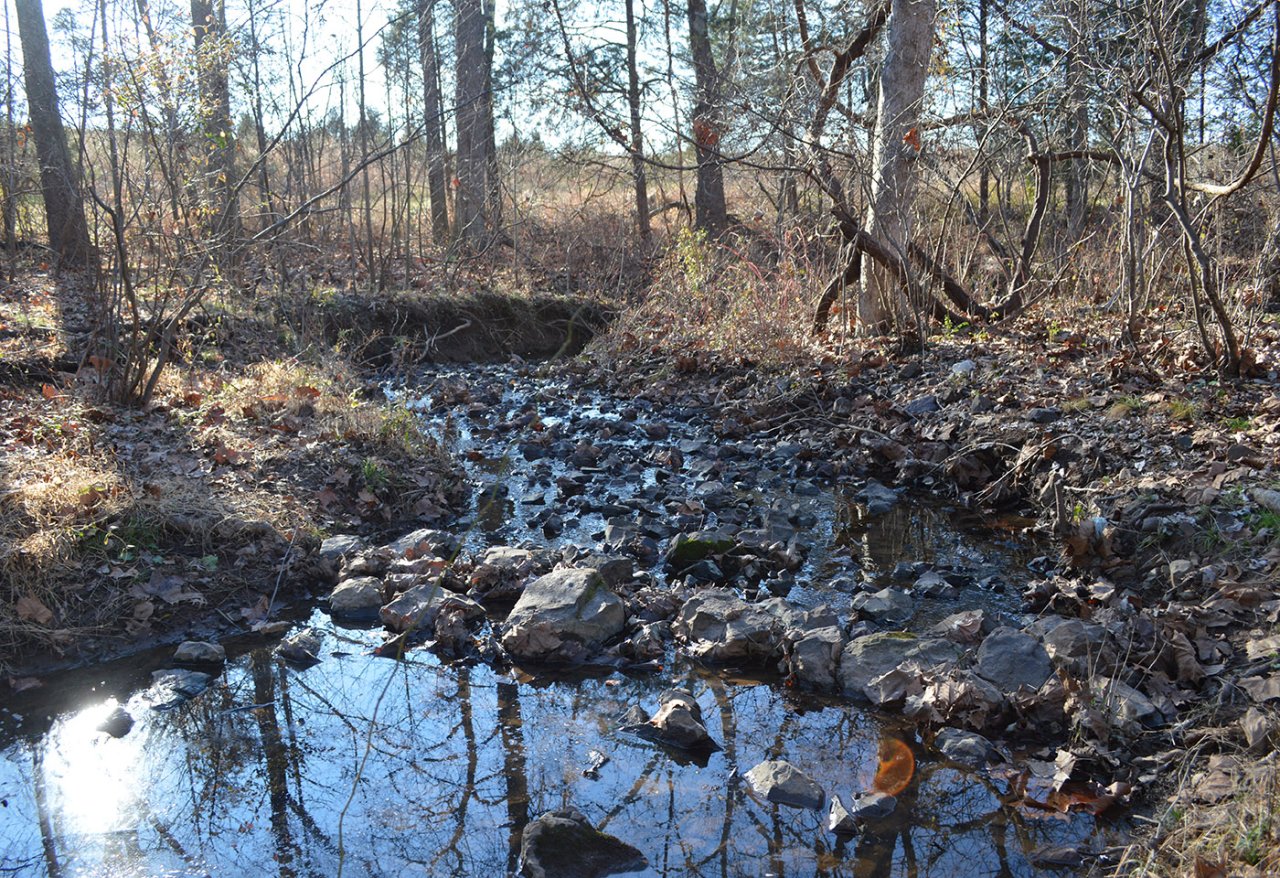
365	766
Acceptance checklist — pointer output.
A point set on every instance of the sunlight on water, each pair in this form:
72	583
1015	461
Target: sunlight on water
91	776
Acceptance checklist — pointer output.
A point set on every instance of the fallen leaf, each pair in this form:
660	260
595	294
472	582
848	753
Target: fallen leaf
33	609
22	684
1262	688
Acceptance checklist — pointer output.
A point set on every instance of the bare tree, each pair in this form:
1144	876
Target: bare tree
476	208
433	120
896	148
709	205
64	210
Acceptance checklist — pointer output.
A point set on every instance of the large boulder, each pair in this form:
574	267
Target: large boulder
424	542
562	844
418	608
866	659
563	616
720	627
780	781
1010	659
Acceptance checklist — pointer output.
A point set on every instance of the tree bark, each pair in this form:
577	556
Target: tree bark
637	136
433	118
708	200
891	213
475	159
64	210
209	24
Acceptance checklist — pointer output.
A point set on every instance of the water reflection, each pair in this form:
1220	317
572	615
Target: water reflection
362	767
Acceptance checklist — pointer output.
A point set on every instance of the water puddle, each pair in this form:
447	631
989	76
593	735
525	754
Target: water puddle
362	766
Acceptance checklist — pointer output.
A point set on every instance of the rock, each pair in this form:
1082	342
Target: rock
868	658
337	547
501	573
1044	415
932	584
705	570
678	723
687	549
1181	573
562	844
815	657
863	808
562	616
967	626
967	748
889	605
921	405
171	687
418	608
117	724
614	570
964	368
1072	643
199	652
781	782
1126	707
720	627
1011	659
357	599
425	541
877	498
302	648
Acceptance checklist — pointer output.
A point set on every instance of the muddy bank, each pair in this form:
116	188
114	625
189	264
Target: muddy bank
397	329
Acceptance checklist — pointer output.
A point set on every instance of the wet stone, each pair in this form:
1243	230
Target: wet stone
173	687
562	844
781	782
877	498
889	606
199	652
563	616
117	724
862	808
966	748
302	648
357	599
1011	659
339	546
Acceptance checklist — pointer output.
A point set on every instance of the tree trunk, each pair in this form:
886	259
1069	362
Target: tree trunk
891	213
209	23
708	200
64	211
637	135
433	117
475	163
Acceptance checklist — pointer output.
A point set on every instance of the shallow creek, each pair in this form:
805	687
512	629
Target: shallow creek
365	766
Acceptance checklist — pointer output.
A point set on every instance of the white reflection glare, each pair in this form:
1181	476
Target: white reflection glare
90	774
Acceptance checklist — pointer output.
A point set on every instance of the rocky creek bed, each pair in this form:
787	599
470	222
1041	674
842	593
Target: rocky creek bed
673	653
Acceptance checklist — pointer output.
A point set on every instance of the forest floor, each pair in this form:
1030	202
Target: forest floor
201	512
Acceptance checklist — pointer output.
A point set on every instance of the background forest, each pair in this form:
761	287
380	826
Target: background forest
955	163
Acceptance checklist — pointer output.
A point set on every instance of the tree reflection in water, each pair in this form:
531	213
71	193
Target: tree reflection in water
456	763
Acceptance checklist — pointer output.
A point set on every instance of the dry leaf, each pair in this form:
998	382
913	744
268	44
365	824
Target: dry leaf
32	609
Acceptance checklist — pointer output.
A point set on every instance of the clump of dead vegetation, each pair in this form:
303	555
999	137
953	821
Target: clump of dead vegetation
117	521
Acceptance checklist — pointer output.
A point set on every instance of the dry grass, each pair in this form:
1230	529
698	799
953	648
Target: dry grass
721	298
1238	836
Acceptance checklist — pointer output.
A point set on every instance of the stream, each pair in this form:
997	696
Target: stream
366	766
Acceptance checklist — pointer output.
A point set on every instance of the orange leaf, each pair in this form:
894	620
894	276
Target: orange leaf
48	391
897	765
306	391
912	139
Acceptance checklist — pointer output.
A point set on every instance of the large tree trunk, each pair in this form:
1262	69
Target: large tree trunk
64	211
209	24
708	200
1077	111
433	117
476	162
891	213
637	135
